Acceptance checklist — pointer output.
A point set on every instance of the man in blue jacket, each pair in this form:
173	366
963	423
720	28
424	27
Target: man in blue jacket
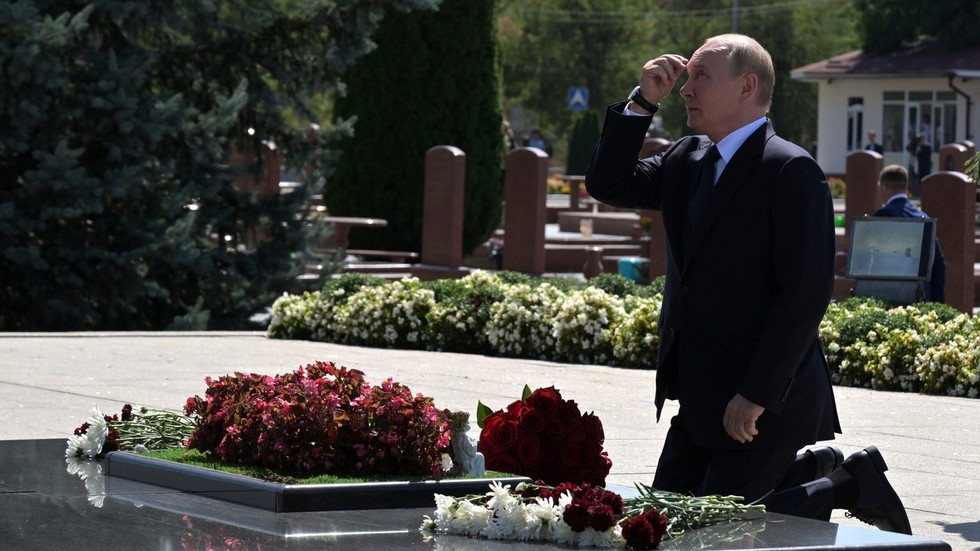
893	185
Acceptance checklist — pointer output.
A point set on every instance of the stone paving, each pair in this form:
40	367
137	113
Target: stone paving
50	381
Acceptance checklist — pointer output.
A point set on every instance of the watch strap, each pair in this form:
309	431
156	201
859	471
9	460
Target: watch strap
637	98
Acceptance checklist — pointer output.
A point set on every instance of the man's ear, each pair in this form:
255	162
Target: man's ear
750	85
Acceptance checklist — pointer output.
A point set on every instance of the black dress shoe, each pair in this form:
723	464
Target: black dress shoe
825	459
877	503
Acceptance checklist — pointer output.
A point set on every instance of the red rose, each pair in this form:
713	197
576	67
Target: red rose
600	471
568	409
590	449
528	451
575	430
505	464
571	455
554	427
532	421
593	429
516	408
544	400
499	433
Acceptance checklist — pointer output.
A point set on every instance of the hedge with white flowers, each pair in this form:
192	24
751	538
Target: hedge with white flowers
926	347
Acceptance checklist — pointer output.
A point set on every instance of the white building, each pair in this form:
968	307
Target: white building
921	88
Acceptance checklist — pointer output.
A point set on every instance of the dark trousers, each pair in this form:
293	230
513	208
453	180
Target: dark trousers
783	477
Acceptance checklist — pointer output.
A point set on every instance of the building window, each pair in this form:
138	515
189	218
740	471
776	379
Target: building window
855	123
904	114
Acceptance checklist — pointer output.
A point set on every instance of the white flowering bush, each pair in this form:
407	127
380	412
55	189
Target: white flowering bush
635	341
310	315
391	315
520	324
292	316
581	325
952	366
918	348
925	347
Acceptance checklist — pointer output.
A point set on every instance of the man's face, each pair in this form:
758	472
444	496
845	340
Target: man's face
711	94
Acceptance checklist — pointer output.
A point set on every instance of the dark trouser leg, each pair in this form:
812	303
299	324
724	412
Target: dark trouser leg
811	500
799	472
682	463
686	467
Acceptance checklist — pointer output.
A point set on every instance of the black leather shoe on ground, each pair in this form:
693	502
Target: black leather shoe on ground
825	460
877	503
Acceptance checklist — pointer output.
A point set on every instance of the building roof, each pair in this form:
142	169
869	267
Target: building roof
919	60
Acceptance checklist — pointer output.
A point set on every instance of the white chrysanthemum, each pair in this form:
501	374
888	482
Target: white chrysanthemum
95	436
501	498
76	446
469	519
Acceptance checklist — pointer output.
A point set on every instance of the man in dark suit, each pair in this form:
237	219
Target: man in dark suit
893	186
873	144
748	220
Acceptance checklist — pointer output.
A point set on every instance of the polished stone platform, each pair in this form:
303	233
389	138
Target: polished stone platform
47	503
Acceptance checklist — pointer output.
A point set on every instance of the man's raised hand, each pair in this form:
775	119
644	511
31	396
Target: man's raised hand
659	76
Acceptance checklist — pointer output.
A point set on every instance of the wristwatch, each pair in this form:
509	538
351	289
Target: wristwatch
637	98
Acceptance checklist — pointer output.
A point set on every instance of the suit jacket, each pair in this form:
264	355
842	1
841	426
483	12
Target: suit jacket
746	287
935	290
876	147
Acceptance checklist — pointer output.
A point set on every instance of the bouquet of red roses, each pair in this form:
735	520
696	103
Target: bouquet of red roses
544	437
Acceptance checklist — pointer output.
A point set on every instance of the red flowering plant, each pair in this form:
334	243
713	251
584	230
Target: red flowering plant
544	437
320	418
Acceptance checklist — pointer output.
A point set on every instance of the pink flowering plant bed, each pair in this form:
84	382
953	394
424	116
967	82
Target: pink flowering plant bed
279	433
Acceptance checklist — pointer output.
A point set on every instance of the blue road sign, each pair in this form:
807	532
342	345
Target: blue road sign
578	98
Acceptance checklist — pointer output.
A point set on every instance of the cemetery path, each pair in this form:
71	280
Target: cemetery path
50	382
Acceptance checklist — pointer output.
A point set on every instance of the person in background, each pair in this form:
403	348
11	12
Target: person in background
509	136
873	144
893	187
922	151
748	220
535	139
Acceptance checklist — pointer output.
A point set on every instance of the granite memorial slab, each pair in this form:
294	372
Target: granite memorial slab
46	504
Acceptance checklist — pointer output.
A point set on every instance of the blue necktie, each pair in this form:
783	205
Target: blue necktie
706	182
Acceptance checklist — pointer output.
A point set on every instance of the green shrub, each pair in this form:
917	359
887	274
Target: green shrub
615	284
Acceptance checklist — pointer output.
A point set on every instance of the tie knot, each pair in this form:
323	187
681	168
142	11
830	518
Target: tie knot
712	155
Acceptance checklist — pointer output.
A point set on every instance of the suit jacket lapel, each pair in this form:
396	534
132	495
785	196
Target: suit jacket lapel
676	221
735	175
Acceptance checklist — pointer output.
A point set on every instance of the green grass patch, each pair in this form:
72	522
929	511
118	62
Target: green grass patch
195	458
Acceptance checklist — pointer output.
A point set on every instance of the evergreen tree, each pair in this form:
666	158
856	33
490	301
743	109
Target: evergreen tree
433	80
585	135
888	25
118	206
